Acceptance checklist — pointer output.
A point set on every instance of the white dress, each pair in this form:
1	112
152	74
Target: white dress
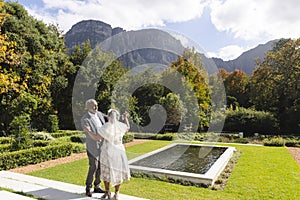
113	159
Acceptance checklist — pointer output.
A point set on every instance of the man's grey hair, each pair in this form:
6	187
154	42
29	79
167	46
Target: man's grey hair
89	102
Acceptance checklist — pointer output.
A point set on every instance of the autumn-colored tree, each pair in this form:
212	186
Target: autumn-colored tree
11	84
236	85
195	78
223	73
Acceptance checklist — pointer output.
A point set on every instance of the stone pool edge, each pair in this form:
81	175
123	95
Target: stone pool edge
207	179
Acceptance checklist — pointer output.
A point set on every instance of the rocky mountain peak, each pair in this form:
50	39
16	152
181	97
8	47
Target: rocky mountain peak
94	30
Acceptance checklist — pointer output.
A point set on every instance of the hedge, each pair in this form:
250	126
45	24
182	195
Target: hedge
63	133
5	140
251	121
5	148
25	157
128	137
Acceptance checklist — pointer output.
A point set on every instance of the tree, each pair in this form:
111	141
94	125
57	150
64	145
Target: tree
10	83
218	94
174	108
275	85
63	99
41	69
148	95
195	78
236	85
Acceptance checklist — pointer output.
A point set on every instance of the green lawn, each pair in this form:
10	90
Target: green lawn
260	173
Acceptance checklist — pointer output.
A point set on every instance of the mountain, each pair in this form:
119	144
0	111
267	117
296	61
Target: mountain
139	48
246	61
132	48
95	31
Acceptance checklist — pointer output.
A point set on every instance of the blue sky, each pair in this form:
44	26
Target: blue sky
223	28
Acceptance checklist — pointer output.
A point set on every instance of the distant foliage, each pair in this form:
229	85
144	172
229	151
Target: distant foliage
128	137
274	141
37	77
251	121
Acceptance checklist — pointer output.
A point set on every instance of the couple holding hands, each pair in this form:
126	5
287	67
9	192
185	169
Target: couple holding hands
105	150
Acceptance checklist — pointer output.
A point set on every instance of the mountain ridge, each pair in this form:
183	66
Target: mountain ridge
97	31
247	60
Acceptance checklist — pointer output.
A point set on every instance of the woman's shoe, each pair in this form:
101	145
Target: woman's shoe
116	196
106	194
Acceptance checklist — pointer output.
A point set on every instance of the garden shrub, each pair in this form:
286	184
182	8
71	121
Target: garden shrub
250	121
292	142
19	129
78	148
241	140
274	141
199	137
40	143
52	124
5	140
128	137
63	133
5	148
167	136
154	136
145	135
41	136
24	157
79	138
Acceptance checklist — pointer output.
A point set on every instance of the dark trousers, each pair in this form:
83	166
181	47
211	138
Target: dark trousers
93	173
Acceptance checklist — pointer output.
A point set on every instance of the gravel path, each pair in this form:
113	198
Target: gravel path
295	152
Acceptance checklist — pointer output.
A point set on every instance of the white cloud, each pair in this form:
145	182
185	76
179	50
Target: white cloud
247	21
229	52
256	19
130	14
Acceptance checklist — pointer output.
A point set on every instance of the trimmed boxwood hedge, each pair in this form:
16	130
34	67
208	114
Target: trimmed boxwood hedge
5	140
128	137
5	148
24	157
63	133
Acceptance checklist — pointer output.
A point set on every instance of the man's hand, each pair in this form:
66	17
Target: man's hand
87	129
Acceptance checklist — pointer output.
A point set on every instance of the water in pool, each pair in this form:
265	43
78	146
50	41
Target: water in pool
185	158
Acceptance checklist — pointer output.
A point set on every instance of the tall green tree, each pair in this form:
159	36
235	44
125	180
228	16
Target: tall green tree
174	108
106	85
147	93
42	66
63	99
275	84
